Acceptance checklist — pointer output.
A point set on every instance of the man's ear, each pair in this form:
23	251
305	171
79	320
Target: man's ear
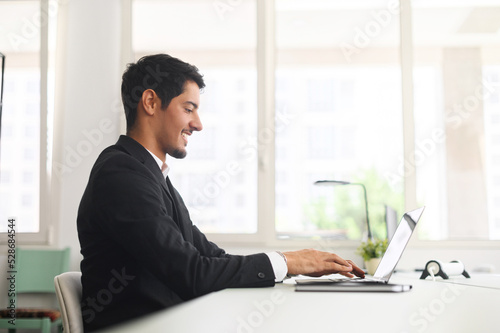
148	101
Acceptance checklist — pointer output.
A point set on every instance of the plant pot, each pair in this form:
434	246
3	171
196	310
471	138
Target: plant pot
371	265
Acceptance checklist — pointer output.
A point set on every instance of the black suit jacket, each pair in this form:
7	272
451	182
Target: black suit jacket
141	253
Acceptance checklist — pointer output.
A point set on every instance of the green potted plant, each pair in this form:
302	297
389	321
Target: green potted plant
371	251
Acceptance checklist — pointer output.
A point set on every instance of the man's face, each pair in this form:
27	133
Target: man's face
179	120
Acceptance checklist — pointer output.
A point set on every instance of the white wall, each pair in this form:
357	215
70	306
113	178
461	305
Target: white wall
88	77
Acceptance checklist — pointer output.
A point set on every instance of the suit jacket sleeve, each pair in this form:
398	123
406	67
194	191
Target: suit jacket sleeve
136	213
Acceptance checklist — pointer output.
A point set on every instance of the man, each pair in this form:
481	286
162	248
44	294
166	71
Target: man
141	252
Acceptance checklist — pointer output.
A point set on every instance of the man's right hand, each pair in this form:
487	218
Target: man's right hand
317	263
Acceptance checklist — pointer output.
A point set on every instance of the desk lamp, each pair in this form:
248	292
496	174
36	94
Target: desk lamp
341	182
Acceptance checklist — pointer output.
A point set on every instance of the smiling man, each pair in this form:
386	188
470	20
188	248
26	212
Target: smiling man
141	252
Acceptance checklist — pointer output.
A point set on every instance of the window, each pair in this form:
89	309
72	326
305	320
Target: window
456	107
219	175
345	105
417	123
23	146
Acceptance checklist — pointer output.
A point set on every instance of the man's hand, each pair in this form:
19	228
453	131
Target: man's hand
317	263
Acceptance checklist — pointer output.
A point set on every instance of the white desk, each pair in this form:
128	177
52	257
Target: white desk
429	307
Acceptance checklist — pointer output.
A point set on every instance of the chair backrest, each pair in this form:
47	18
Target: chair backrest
36	268
69	294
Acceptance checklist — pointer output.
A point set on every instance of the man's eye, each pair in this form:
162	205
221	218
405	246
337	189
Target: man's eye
189	110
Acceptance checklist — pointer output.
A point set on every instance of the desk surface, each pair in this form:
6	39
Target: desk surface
456	305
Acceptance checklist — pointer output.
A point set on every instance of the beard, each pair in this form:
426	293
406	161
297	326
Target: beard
178	153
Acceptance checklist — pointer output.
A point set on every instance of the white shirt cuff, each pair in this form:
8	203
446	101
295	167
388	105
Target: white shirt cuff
279	266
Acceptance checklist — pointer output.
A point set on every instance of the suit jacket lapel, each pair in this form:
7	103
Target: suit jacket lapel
181	212
135	149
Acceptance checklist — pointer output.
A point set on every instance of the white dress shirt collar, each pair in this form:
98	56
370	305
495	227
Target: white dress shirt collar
162	165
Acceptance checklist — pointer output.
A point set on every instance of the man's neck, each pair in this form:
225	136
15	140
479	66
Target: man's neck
148	143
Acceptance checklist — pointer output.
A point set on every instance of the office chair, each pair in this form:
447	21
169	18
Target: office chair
35	272
69	294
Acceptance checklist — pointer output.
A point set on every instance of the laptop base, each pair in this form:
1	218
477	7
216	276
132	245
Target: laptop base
351	286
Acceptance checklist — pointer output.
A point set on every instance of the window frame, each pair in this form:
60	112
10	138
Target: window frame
266	235
45	234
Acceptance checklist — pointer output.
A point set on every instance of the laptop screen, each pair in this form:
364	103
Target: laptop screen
397	244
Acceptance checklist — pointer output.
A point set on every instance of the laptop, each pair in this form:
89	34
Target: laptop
380	280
